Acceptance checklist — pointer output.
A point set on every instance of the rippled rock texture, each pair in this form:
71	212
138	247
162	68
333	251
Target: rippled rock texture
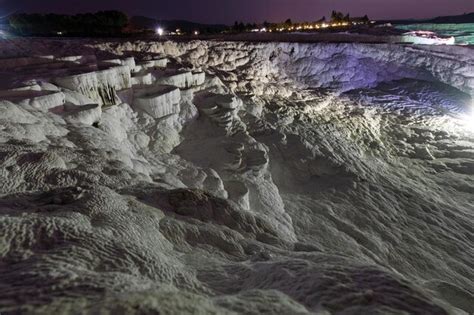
235	178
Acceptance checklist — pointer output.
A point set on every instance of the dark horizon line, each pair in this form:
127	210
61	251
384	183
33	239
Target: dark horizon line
237	20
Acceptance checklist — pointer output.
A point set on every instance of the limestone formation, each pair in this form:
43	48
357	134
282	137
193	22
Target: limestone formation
214	177
158	100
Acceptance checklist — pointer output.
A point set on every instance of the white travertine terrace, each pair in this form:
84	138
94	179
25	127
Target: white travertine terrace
83	114
33	96
142	79
151	64
181	79
158	100
209	177
100	86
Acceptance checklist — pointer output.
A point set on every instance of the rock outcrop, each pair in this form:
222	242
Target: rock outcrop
158	100
235	178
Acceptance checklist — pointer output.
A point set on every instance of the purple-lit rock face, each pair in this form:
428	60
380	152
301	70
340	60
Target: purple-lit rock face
240	178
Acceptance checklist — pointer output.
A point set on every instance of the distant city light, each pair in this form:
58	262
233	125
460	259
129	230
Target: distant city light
196	32
160	31
305	26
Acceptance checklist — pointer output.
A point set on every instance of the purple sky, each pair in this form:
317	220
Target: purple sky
227	11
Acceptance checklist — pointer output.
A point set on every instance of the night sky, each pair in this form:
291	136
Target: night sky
227	11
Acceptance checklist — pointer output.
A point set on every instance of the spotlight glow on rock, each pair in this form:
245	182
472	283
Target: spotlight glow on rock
469	118
251	170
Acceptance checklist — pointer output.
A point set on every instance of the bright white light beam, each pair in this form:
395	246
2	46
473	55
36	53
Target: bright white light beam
467	118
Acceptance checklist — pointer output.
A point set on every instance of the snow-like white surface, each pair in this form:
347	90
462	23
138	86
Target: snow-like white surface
100	86
158	100
426	38
241	178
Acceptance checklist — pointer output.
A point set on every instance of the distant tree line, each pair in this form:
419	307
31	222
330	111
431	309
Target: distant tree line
103	23
338	17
